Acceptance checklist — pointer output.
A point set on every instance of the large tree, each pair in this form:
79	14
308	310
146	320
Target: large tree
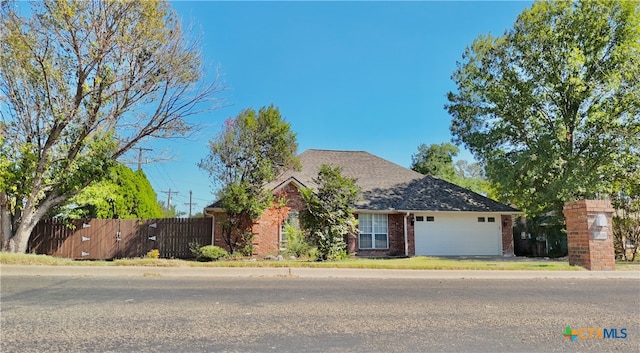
328	213
626	221
435	160
551	108
121	193
470	175
81	83
251	151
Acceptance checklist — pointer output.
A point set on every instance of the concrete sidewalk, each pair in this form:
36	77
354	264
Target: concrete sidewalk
294	272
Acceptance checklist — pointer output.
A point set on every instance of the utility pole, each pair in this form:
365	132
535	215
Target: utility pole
169	197
140	149
190	203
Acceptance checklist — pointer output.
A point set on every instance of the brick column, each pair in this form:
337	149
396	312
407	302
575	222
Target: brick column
507	235
590	244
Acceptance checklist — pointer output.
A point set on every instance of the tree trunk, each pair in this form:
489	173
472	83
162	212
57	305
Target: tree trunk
18	239
19	242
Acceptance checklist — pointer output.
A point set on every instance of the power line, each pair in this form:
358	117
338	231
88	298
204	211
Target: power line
161	175
164	170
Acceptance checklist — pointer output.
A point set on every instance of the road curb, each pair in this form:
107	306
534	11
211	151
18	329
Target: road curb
299	272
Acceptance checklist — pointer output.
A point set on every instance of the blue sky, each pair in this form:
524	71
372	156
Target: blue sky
369	76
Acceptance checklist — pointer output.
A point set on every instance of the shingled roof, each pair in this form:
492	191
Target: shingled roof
388	186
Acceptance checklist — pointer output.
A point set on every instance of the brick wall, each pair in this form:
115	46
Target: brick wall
217	230
266	232
218	237
266	229
396	234
396	239
584	249
507	234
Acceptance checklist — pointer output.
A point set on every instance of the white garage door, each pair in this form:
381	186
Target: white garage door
457	234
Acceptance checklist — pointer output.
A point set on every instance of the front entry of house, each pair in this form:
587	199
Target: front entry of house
457	234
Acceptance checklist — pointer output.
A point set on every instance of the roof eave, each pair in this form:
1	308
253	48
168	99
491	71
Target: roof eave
392	210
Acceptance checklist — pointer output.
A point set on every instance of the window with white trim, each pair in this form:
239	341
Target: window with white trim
292	220
374	231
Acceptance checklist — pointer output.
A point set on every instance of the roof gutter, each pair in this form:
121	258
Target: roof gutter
456	212
211	210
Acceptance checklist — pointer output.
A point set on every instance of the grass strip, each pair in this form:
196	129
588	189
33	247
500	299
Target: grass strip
412	263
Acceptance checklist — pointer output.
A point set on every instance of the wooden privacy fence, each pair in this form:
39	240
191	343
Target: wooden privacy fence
107	239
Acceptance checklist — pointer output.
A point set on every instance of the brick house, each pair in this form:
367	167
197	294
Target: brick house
401	212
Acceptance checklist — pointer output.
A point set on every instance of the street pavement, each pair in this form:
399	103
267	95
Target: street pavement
134	309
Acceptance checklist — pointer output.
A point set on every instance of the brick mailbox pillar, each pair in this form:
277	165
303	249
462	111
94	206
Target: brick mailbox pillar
589	234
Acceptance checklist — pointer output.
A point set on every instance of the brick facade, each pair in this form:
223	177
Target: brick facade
395	223
507	235
411	235
582	233
266	229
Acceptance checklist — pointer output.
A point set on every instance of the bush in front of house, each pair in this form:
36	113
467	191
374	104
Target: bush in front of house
194	247
297	244
153	254
211	253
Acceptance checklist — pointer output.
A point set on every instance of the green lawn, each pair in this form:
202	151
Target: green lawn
416	263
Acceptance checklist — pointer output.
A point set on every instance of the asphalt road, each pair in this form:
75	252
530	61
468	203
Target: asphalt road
195	314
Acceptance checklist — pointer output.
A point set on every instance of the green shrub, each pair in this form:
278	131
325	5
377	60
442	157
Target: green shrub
211	253
297	244
194	247
153	254
245	245
339	255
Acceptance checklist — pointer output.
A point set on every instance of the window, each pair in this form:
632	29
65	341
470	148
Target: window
374	232
491	220
419	218
431	219
481	219
291	220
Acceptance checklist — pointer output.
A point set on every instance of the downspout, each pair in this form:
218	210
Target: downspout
406	235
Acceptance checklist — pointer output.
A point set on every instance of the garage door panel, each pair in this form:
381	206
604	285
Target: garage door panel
457	235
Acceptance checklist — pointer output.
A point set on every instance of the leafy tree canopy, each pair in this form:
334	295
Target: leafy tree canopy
81	83
437	160
551	108
169	211
470	175
122	193
251	150
328	214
